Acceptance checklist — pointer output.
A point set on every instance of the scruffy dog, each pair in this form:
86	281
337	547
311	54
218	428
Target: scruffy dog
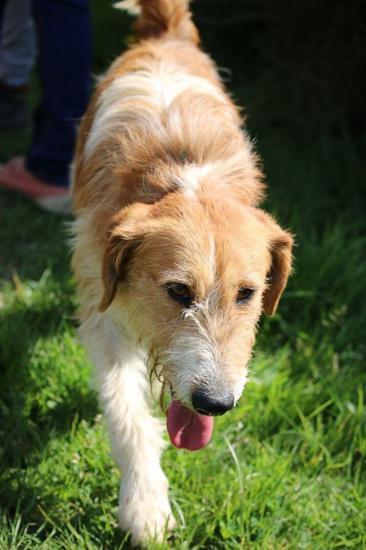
173	259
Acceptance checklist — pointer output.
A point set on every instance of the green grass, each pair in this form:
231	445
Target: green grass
286	469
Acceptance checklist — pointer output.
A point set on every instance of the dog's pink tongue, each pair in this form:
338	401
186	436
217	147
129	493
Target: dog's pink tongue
188	430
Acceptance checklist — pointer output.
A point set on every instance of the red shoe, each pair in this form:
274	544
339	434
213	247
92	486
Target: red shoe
14	176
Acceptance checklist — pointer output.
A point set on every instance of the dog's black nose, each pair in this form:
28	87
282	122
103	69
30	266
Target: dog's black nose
213	406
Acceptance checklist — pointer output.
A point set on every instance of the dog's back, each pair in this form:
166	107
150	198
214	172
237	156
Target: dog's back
162	100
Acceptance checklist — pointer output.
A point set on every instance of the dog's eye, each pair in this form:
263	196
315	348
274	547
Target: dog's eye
180	293
244	295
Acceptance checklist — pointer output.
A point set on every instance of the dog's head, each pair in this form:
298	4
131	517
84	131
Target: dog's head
194	274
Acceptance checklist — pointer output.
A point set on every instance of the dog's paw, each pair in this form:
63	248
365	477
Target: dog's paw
145	512
147	522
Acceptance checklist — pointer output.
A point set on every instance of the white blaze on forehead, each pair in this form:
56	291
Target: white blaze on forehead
154	90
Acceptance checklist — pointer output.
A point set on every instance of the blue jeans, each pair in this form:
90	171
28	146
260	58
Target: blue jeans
63	31
64	44
17	42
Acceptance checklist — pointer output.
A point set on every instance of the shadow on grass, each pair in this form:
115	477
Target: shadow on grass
30	413
37	406
31	240
38	509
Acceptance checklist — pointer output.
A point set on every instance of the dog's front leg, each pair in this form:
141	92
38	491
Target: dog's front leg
136	436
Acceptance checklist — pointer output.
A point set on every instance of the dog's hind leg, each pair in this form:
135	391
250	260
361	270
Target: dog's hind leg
137	442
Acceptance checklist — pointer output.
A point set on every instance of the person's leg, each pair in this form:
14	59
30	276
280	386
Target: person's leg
17	43
17	53
64	42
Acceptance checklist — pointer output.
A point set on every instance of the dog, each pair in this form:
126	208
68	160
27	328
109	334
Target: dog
173	258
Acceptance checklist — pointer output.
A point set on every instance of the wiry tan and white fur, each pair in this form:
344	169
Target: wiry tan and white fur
166	188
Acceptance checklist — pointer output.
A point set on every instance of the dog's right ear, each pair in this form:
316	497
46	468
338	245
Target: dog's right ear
118	252
125	237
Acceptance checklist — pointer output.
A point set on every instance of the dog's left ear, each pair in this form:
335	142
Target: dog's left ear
281	243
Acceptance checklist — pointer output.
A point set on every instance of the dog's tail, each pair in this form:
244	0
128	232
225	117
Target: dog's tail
170	18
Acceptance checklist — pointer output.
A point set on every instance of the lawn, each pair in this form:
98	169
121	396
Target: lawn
286	469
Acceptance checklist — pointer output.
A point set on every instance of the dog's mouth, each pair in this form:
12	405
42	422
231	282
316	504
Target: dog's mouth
187	429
